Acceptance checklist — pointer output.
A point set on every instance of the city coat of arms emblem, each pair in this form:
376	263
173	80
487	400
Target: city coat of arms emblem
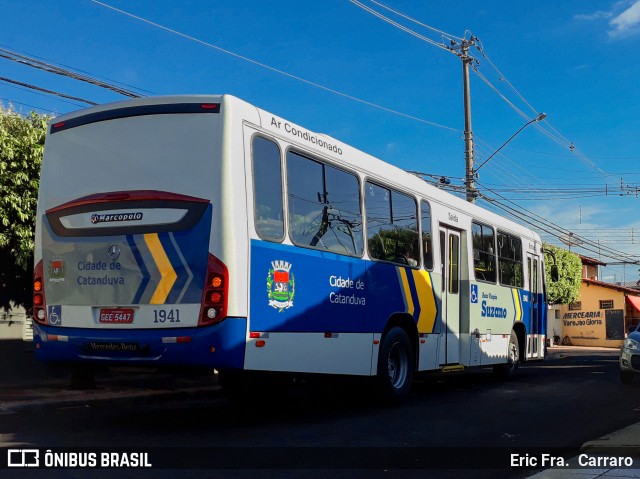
56	270
280	285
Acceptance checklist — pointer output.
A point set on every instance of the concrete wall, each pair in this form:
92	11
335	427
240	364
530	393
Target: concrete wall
592	326
11	323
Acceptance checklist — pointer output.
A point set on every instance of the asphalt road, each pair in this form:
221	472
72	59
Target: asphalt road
467	420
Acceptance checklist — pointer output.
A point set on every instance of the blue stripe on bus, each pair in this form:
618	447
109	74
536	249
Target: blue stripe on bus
194	246
178	267
150	350
297	289
414	294
143	269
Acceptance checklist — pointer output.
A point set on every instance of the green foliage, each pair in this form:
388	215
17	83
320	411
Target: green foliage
567	287
21	147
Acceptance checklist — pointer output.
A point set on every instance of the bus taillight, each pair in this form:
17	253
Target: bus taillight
39	305
214	299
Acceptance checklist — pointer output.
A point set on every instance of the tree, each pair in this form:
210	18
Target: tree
566	288
21	147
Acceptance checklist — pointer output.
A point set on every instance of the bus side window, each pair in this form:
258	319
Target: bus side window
324	206
267	187
510	260
392	226
426	235
484	258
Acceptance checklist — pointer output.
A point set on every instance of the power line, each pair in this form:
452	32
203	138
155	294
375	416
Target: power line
555	137
448	35
554	134
40	65
461	50
398	25
545	226
44	90
555	230
560	140
505	79
79	70
516	174
272	69
11	102
43	95
549	130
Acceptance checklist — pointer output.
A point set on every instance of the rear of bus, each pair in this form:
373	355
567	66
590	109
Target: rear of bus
130	264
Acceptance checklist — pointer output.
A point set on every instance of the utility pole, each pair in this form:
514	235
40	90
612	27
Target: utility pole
462	51
468	133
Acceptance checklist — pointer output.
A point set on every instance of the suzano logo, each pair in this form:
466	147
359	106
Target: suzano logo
113	217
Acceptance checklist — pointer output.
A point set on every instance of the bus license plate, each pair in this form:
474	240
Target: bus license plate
116	315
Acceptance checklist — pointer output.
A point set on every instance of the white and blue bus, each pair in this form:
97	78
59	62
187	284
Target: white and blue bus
203	231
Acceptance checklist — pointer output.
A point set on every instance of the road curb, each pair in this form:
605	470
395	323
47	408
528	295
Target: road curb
627	439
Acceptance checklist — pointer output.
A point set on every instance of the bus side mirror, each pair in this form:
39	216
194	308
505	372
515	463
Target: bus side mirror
555	276
553	271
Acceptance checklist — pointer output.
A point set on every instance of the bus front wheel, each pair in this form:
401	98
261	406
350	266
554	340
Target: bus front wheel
395	365
510	368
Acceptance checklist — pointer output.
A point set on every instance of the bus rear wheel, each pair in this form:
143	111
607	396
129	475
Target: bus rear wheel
395	365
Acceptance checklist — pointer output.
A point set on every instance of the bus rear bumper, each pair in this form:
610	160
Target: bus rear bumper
218	346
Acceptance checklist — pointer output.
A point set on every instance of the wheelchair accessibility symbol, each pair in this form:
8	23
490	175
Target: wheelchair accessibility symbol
474	293
55	315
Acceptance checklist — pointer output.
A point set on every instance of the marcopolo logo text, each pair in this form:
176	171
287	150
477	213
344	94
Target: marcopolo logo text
114	217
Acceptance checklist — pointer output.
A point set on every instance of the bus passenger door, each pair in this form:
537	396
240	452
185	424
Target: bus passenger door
449	345
534	330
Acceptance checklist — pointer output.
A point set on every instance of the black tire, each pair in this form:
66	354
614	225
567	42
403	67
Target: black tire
510	368
626	376
396	365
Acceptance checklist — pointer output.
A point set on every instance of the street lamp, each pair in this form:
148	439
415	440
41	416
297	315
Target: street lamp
472	173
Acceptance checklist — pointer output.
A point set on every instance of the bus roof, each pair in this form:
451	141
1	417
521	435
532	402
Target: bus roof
325	146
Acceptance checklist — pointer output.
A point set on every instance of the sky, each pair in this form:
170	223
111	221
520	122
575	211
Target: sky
335	68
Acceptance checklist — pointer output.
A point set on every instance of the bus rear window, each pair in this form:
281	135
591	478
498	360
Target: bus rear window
133	212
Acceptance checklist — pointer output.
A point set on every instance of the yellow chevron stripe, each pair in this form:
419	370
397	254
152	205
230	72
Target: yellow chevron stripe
428	309
516	301
167	273
406	290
